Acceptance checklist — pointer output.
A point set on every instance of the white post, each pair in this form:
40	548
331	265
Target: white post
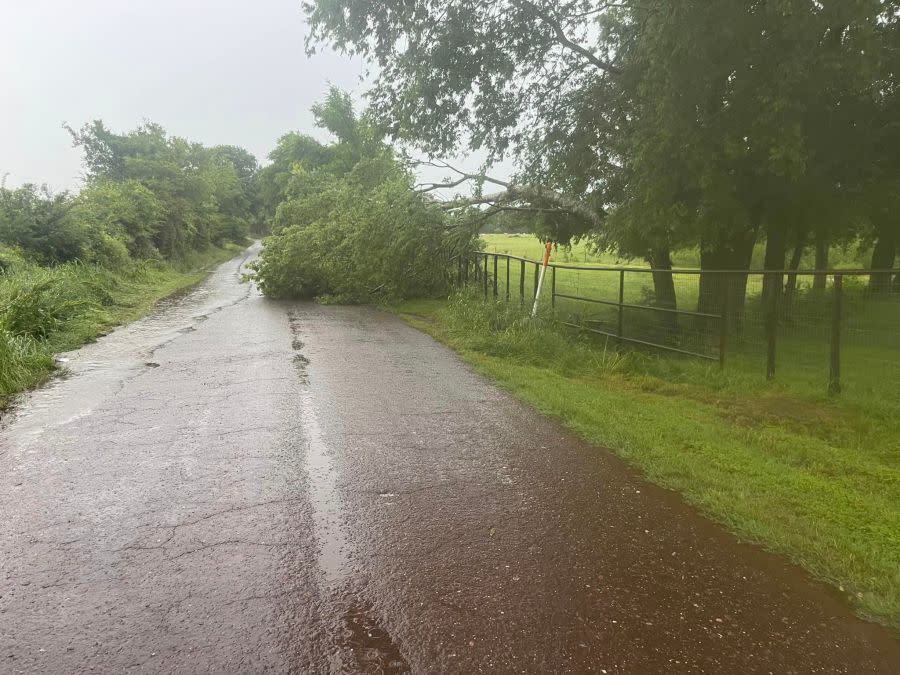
537	295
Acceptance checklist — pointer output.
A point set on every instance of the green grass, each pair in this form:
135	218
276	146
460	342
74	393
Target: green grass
780	464
45	310
870	354
852	256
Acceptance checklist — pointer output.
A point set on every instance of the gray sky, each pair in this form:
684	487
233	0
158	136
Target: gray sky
215	71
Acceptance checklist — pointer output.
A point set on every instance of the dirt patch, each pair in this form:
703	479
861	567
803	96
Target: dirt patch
782	411
816	418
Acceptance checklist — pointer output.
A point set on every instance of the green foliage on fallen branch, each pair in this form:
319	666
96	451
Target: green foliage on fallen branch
348	225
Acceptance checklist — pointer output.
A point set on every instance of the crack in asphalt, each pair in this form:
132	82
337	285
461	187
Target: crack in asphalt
175	527
227	542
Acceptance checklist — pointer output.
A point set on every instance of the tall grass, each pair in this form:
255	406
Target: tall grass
23	363
507	330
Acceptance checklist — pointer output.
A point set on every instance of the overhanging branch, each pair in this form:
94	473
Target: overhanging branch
464	176
524	197
565	40
533	196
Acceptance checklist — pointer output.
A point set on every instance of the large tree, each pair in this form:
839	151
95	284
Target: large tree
688	121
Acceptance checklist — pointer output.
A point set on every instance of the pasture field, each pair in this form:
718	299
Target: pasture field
870	350
851	256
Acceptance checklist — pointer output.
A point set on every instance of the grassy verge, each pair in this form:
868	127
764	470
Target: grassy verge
779	464
45	310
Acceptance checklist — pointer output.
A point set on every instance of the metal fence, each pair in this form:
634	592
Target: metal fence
829	327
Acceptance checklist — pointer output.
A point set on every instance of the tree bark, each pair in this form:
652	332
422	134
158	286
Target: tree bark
735	253
790	287
776	248
821	261
883	259
664	287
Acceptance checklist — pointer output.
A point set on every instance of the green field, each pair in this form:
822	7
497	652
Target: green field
528	246
870	350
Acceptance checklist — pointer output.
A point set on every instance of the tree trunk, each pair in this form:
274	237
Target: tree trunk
711	259
883	259
794	264
735	253
664	287
776	247
663	281
821	261
738	283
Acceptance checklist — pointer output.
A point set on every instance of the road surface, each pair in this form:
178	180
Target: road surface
237	485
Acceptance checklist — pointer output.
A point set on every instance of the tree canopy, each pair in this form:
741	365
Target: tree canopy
207	194
146	195
678	122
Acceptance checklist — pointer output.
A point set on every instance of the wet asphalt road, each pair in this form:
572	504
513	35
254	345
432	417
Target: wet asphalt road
240	485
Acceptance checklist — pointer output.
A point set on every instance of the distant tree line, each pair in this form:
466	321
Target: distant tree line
146	195
652	126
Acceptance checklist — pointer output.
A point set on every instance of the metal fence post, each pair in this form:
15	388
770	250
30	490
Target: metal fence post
834	379
723	320
522	281
553	288
507	278
537	270
621	330
495	275
485	280
772	324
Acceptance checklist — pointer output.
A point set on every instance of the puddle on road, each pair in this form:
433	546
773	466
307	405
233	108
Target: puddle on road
372	647
327	513
364	641
322	474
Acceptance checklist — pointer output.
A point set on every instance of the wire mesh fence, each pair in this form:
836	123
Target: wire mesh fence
832	328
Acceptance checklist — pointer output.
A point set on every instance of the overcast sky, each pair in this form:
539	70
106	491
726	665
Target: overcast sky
215	71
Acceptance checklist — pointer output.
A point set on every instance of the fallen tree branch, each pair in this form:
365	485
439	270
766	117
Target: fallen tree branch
422	188
530	195
521	197
464	176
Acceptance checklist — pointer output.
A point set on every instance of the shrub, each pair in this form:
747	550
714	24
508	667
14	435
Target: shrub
10	259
